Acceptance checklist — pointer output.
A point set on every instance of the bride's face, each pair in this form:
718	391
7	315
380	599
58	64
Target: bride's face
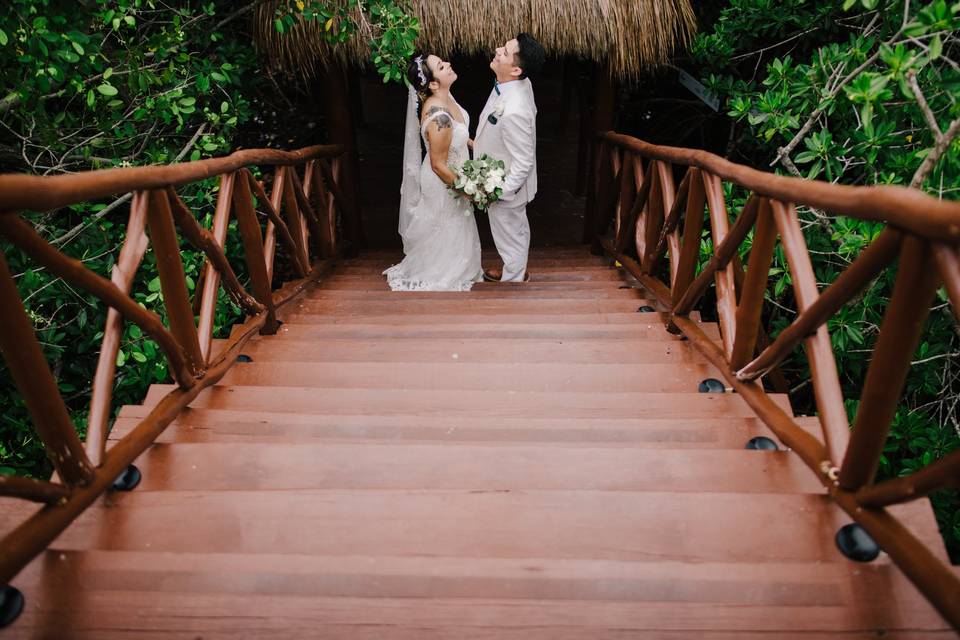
443	73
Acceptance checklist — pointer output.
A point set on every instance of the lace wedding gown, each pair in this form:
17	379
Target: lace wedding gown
441	244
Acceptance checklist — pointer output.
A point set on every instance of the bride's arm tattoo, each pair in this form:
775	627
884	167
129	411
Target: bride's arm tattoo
443	121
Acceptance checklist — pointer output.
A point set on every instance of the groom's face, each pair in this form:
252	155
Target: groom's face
504	60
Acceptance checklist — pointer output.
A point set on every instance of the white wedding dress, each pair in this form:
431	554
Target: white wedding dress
441	244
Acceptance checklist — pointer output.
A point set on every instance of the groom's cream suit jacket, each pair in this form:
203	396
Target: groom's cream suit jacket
512	138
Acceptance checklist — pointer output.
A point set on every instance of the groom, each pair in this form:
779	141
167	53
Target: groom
507	131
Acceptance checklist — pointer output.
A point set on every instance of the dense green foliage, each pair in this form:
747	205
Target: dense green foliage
388	26
861	92
102	84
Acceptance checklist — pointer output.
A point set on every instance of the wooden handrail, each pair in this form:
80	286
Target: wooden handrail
922	231
907	209
21	192
85	472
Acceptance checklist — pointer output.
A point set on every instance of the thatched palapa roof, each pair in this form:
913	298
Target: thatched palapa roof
633	35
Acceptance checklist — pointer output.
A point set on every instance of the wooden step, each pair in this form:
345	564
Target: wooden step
559	350
470	467
491	405
296	327
600	525
274	595
539	272
225	425
426	318
551	276
481	294
453	376
401	304
535	262
361	283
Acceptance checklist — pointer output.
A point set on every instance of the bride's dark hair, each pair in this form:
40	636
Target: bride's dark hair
420	76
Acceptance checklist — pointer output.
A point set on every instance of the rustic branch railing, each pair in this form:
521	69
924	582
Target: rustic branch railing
302	212
633	189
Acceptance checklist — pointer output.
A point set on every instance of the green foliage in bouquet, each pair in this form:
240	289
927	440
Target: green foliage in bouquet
481	179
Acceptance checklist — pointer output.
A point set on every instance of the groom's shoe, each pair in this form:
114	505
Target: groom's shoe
494	275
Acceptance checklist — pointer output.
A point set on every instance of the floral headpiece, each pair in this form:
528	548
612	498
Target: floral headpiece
420	73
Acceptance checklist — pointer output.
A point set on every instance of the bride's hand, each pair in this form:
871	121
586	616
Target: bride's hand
470	143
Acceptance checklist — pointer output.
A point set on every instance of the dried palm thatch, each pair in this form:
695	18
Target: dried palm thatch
632	35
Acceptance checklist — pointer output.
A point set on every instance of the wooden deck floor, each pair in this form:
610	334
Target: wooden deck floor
516	462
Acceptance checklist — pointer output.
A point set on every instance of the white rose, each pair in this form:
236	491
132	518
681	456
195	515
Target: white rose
470	187
489	185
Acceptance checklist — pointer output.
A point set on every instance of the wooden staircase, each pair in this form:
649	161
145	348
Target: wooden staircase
520	461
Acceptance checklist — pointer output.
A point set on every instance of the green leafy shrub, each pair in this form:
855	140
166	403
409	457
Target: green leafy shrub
864	93
107	84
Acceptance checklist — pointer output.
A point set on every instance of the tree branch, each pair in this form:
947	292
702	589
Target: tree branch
72	233
924	107
943	143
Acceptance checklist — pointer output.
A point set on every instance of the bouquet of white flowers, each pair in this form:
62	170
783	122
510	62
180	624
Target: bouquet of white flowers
481	179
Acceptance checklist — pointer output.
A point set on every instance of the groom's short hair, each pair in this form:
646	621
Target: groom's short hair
529	56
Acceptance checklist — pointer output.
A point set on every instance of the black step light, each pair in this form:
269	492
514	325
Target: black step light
711	385
128	479
646	309
762	443
855	543
244	358
11	605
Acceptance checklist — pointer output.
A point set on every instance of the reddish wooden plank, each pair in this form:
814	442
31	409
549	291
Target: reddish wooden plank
487	404
482	294
470	350
462	598
477	467
400	303
554	275
109	615
214	425
360	283
477	376
428	318
599	525
295	329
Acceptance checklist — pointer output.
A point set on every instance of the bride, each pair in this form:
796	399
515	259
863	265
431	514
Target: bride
441	245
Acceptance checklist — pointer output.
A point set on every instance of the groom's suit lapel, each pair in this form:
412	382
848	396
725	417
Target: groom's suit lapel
487	108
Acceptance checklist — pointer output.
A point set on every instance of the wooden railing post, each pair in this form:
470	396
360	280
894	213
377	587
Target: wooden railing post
131	254
211	279
750	305
823	366
32	375
626	197
291	209
253	248
166	247
692	230
726	285
900	330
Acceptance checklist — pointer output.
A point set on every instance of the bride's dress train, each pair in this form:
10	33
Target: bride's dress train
440	239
